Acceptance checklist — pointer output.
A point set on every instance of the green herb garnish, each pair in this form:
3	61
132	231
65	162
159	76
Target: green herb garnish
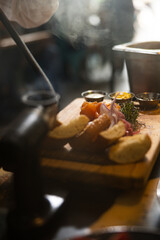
130	112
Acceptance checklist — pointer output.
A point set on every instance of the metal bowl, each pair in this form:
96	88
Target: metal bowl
121	100
142	63
94	95
121	232
148	100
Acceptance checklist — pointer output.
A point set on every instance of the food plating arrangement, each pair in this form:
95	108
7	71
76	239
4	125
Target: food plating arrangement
108	132
105	125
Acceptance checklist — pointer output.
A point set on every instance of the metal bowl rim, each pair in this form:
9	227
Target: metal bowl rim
139	98
53	98
120	229
85	93
121	99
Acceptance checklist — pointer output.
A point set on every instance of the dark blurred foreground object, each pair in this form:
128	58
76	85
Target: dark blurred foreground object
20	145
17	76
20	148
143	65
13	82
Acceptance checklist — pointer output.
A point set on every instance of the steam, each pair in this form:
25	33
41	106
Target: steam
82	21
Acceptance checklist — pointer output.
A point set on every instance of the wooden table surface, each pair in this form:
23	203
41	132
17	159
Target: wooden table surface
101	208
96	208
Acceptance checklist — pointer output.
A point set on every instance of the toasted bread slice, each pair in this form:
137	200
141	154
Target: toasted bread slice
74	127
61	134
111	135
130	149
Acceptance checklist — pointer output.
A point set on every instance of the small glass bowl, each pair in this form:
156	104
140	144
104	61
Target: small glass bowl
94	95
148	100
121	100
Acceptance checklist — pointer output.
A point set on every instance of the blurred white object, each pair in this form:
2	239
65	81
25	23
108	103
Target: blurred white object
30	13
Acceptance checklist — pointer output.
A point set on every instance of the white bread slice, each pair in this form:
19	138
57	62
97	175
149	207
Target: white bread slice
74	127
130	149
61	134
111	135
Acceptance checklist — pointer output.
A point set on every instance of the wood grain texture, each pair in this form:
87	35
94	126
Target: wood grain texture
65	165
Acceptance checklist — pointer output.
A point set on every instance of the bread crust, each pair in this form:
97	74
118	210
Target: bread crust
111	135
74	127
86	139
61	134
130	149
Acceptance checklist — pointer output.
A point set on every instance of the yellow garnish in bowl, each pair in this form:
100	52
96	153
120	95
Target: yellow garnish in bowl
122	95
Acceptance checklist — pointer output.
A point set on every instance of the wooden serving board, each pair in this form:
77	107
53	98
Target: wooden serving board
66	165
